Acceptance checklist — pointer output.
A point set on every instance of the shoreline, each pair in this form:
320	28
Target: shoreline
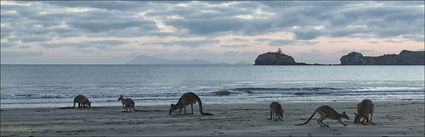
392	118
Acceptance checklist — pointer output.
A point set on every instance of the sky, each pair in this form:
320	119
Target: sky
84	32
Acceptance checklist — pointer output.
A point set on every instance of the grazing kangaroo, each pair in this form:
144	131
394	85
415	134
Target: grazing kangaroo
364	108
82	101
327	112
276	111
188	98
127	103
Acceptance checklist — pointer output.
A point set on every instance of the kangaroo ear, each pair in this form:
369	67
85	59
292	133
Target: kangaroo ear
343	112
172	105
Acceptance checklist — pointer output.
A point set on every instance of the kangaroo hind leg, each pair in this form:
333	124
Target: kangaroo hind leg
321	121
191	108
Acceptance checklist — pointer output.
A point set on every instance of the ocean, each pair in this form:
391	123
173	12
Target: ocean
25	86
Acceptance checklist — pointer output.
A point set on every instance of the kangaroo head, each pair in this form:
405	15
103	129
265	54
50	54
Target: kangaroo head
120	98
344	115
281	113
172	108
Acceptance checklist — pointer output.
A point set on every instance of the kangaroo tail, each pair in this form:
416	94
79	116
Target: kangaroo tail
308	119
206	113
200	108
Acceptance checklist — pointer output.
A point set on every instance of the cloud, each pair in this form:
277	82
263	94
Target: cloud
42	24
238	40
186	43
236	46
382	19
5	45
281	42
285	42
110	25
107	5
86	46
262	40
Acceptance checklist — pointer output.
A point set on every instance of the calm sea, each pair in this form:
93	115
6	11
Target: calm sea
57	85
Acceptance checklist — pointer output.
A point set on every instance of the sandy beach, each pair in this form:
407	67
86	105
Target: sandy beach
397	118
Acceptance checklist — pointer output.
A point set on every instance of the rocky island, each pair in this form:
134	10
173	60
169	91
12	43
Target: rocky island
404	58
276	58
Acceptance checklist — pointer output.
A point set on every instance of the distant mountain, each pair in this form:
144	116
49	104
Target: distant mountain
147	60
404	58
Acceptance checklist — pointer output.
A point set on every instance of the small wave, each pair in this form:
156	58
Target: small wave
287	89
40	96
222	93
312	93
388	89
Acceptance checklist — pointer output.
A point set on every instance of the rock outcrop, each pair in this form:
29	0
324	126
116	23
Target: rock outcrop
275	58
404	58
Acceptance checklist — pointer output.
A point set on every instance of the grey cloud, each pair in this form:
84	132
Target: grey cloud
95	45
283	42
122	19
31	38
99	26
306	34
262	40
30	25
236	46
186	43
336	17
238	40
416	38
7	44
107	5
200	18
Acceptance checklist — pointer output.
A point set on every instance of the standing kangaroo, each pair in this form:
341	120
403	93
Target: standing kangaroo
127	103
276	111
188	98
82	101
364	108
326	112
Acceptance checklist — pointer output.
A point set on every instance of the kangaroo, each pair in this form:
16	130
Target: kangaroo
326	112
364	108
127	103
276	111
82	101
188	98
